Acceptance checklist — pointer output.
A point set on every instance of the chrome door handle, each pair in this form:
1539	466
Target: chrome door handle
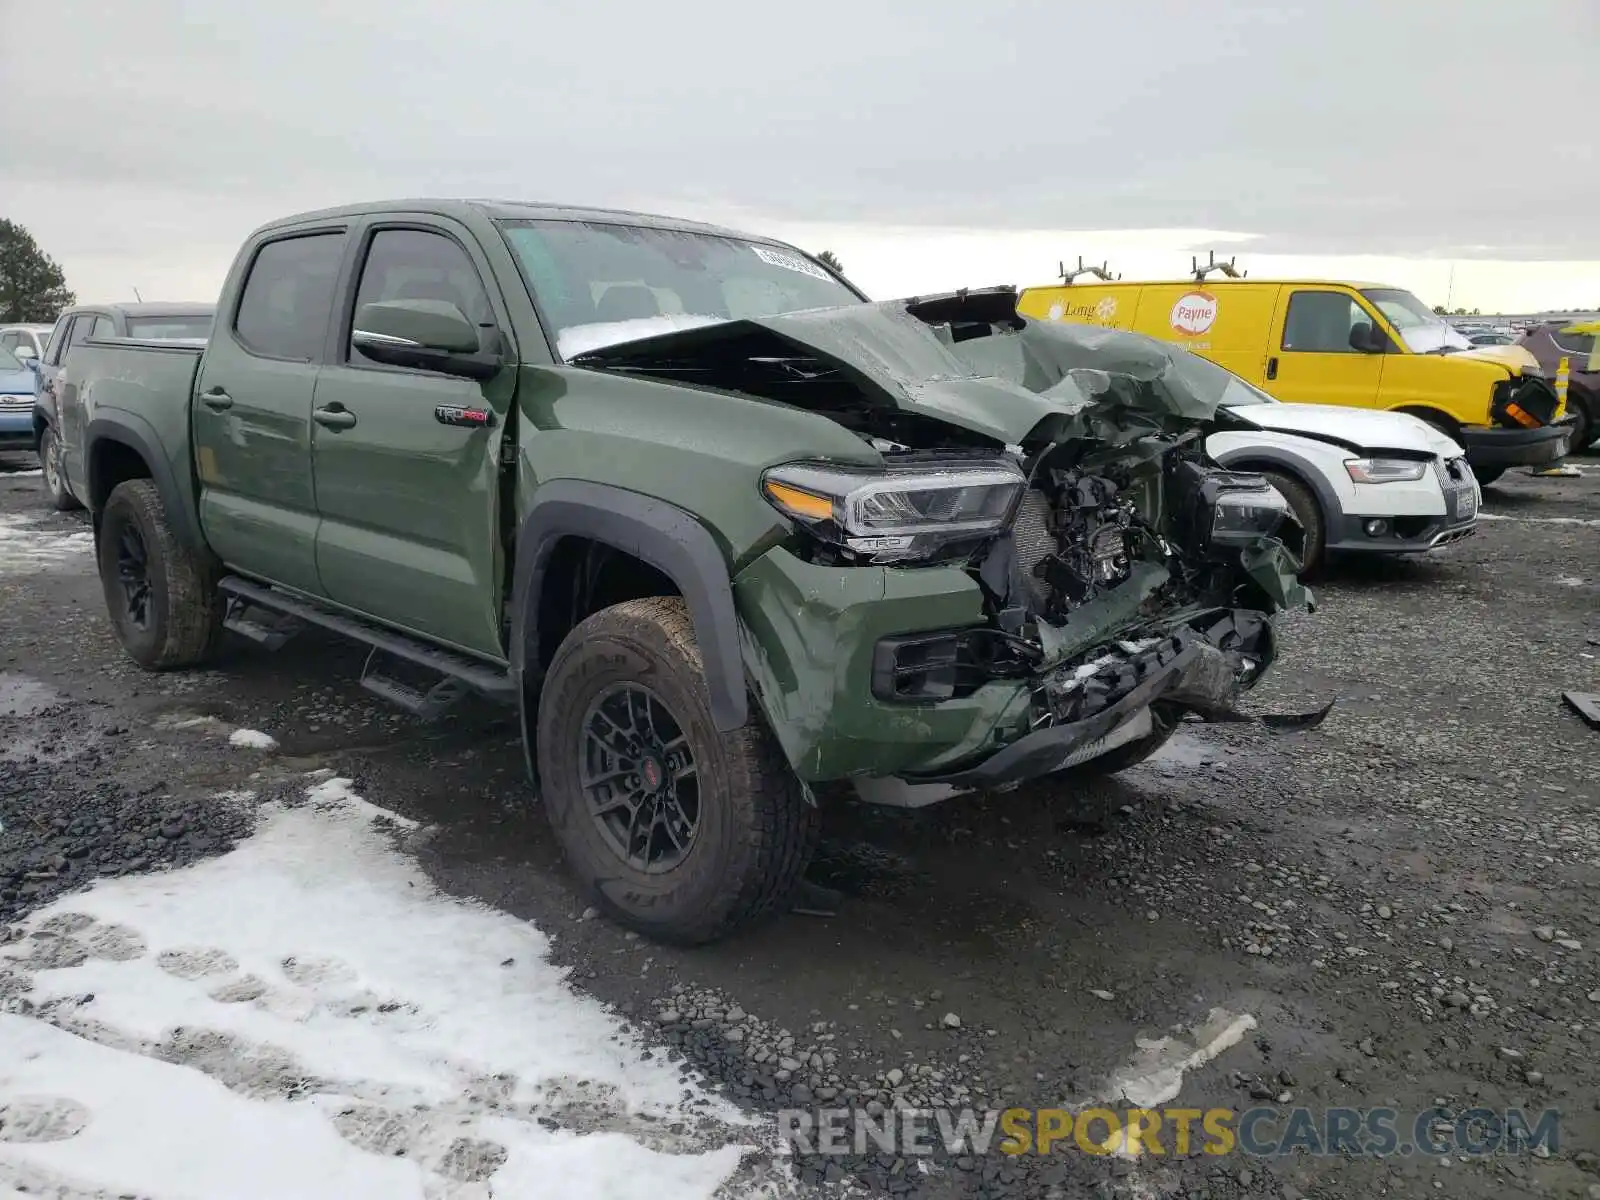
217	400
334	418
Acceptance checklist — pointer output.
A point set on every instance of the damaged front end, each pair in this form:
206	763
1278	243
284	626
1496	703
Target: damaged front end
1044	563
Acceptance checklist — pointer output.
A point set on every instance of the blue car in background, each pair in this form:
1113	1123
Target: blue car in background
16	403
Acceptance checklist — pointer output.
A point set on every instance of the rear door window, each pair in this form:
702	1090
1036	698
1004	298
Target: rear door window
288	297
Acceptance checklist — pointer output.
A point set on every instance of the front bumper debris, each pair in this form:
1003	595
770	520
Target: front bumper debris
1516	447
1186	671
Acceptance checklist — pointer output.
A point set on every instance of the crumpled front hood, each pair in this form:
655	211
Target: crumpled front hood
967	358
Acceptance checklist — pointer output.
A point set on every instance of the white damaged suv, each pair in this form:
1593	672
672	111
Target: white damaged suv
1358	480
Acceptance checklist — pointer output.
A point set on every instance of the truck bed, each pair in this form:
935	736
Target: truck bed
135	391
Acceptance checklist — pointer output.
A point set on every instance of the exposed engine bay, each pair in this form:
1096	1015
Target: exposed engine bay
1063	467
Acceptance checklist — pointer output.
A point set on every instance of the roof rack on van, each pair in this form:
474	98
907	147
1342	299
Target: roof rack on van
1227	268
1103	271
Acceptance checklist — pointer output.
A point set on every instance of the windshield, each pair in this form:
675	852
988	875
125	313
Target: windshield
600	284
8	361
165	328
1423	330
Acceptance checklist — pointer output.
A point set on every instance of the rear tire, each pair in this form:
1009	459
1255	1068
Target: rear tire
1309	513
55	477
631	677
161	595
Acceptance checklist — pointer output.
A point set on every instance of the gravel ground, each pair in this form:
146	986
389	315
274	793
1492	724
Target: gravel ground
1406	901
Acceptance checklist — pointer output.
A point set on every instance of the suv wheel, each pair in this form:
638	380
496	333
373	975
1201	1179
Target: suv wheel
677	829
161	595
55	477
1303	503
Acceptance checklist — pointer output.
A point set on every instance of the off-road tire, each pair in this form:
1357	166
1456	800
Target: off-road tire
1487	475
756	828
54	476
1129	754
1308	512
185	608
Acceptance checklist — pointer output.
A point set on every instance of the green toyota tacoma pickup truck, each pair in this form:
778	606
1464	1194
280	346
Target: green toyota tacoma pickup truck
723	530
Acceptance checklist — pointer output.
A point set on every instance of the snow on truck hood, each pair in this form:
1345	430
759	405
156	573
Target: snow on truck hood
1368	429
965	358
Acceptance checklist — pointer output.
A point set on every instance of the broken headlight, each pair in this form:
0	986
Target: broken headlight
1245	513
1215	510
896	515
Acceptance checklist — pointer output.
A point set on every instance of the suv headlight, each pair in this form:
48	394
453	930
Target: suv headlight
1385	470
899	514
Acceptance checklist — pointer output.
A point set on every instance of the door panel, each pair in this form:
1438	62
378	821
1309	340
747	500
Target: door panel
1311	360
252	412
410	506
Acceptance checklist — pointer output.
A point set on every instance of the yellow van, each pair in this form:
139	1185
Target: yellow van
1322	341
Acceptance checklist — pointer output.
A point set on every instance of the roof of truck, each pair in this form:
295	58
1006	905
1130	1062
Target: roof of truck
151	308
516	210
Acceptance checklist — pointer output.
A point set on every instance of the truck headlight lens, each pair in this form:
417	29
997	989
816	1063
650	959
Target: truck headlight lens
1385	470
1243	514
900	514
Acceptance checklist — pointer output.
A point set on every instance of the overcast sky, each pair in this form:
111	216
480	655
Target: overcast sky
935	143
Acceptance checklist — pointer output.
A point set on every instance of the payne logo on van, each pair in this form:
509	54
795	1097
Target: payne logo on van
1194	313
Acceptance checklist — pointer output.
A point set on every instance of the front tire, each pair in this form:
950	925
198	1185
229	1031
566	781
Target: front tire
1309	513
161	595
675	828
55	476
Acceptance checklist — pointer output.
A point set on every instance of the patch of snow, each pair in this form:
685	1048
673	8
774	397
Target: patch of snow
252	739
581	339
22	474
308	1016
337	791
1155	1075
27	548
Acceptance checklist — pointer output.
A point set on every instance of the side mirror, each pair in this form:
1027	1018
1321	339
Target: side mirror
29	359
428	335
1365	338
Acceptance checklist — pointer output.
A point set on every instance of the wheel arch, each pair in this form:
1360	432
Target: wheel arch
125	446
666	540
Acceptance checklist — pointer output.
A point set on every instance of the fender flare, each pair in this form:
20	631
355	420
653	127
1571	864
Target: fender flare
661	534
1297	465
135	432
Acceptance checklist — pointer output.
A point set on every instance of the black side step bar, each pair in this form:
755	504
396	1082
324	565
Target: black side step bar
493	682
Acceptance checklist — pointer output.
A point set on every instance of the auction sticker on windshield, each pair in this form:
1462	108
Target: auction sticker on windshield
790	262
1194	313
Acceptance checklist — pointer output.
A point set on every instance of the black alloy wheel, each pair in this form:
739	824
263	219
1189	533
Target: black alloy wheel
133	576
639	778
